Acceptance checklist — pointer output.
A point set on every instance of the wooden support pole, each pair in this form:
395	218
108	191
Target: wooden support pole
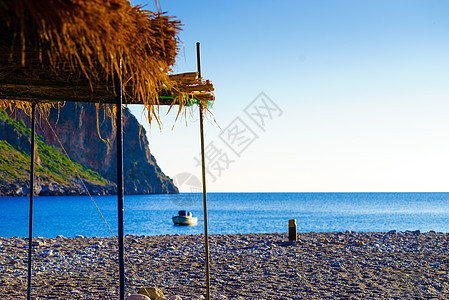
30	228
203	168
292	236
119	140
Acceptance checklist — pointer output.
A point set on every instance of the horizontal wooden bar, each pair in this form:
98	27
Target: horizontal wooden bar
48	91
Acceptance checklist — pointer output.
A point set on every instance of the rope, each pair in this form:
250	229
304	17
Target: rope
79	177
133	269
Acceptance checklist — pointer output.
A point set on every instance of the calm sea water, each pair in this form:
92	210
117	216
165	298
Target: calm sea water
228	213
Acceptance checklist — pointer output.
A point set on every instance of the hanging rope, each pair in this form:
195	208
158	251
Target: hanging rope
133	269
79	177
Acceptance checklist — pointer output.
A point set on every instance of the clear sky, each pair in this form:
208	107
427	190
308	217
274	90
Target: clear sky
356	96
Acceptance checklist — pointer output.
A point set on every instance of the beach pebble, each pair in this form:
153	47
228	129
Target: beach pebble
47	252
137	297
336	264
38	243
175	297
79	236
152	292
435	265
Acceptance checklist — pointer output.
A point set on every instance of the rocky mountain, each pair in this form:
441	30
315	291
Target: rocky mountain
55	174
75	127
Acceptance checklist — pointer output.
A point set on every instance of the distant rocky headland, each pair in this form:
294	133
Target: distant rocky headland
92	151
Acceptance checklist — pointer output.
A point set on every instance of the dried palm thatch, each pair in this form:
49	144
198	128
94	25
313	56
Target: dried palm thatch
69	50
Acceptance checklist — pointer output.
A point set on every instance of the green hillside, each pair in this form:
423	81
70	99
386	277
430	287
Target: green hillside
52	167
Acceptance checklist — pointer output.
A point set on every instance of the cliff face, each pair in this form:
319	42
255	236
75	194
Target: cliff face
55	174
76	127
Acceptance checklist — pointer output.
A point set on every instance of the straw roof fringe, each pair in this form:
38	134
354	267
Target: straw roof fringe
53	50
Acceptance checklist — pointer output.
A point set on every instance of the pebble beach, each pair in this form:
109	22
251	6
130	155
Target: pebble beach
338	265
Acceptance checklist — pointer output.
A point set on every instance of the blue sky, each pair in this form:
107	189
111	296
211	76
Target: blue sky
362	89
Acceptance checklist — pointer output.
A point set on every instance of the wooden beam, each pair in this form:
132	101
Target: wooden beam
47	91
30	225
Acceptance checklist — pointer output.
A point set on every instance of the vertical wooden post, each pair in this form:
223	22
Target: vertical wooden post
119	140
292	236
203	168
30	227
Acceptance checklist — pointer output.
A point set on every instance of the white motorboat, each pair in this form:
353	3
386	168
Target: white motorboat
184	218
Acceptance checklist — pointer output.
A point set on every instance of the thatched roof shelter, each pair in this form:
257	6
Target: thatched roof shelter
59	50
102	51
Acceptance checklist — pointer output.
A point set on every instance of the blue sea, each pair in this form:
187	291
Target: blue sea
227	213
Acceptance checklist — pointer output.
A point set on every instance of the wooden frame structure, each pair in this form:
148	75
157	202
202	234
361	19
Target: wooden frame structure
50	53
120	182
